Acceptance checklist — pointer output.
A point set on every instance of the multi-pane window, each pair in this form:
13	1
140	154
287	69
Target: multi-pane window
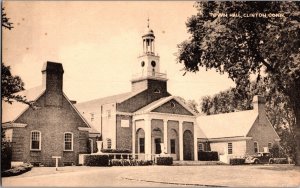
270	145
108	143
142	145
35	140
68	141
229	148
255	147
200	147
173	142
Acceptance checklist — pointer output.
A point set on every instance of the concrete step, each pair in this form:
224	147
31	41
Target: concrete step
197	163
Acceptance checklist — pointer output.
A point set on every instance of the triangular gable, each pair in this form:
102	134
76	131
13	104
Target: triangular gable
171	105
266	128
78	113
11	112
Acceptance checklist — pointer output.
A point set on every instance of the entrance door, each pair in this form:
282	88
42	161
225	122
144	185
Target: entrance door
188	145
157	142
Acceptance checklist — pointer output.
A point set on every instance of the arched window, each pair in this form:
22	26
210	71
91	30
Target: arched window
270	145
68	141
256	149
35	140
108	143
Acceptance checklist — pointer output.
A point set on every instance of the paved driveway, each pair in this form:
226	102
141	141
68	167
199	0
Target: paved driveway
158	176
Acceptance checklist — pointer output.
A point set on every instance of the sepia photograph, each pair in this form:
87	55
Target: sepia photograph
150	93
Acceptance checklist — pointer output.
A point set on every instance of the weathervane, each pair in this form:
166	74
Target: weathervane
148	21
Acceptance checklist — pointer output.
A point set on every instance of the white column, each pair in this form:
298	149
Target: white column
133	138
148	139
166	135
195	141
180	141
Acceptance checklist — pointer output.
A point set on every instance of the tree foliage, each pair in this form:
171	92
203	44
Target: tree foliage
192	104
5	20
230	37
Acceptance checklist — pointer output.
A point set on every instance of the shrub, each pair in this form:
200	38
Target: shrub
280	161
144	162
17	170
130	162
96	160
164	160
237	161
6	155
208	156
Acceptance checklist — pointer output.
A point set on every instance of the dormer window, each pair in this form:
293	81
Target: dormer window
156	91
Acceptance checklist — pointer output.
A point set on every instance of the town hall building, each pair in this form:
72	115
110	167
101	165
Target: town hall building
148	120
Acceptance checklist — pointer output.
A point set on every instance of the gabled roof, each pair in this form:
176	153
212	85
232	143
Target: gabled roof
10	112
227	125
148	108
106	100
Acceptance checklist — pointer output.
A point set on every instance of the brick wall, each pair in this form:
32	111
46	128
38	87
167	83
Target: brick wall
188	148
146	97
18	144
52	122
124	134
261	132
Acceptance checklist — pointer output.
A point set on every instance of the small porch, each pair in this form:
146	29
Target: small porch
155	134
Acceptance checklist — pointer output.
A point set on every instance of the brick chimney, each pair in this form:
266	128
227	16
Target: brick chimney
259	106
53	83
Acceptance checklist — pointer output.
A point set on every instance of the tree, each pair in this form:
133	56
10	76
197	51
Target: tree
192	104
260	38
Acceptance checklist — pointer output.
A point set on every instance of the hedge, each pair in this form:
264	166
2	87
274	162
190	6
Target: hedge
208	156
280	161
17	170
164	160
96	160
237	161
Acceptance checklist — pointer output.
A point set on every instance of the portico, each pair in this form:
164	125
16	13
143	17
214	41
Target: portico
154	133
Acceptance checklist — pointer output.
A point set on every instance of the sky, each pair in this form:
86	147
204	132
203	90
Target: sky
98	43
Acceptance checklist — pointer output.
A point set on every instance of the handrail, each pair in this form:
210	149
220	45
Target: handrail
149	74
